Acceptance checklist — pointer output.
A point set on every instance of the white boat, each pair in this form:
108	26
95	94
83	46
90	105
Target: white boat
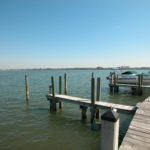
131	77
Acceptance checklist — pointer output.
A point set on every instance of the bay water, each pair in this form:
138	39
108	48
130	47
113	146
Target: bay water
30	125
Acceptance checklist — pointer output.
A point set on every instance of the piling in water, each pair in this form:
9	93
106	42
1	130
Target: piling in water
27	87
60	91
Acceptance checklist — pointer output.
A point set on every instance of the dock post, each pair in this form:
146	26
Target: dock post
110	130
140	77
111	85
27	87
92	100
116	88
83	113
65	84
98	95
50	89
60	91
92	75
53	101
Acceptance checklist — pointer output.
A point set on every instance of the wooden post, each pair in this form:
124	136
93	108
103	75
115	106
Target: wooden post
27	87
140	85
84	110
53	86
60	90
92	75
98	95
53	101
50	89
116	88
110	130
111	85
65	83
92	100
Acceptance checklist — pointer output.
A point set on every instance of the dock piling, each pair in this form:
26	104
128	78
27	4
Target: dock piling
53	101
110	130
140	82
92	100
65	83
60	91
27	87
98	95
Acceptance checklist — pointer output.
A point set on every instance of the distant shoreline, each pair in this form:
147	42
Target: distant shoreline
78	68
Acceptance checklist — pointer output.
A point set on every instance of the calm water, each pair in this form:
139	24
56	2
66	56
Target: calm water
28	126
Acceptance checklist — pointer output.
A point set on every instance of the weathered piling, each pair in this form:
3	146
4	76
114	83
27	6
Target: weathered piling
53	100
92	75
140	82
116	88
111	82
98	95
92	100
50	89
27	87
60	91
110	130
65	83
83	112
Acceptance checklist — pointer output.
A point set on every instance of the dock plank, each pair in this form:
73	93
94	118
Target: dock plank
138	134
98	104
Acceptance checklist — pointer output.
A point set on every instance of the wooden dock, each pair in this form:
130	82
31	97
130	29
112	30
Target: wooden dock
138	134
136	88
87	102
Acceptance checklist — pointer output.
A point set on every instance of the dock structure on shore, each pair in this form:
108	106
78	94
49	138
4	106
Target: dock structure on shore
138	133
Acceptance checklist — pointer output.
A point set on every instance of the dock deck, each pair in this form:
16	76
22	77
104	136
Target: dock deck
138	134
98	104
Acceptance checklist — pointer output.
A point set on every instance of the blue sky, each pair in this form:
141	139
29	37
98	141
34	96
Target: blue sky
74	33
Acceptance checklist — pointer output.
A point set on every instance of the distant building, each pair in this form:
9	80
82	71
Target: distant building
124	67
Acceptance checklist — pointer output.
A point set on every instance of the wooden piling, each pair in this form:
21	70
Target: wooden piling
65	84
110	130
27	87
50	89
83	112
53	101
140	78
60	90
111	82
53	86
92	75
92	100
98	95
116	88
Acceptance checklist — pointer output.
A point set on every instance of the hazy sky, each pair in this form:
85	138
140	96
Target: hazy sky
74	33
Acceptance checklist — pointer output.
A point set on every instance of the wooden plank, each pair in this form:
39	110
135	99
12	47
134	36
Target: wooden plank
131	144
86	102
139	133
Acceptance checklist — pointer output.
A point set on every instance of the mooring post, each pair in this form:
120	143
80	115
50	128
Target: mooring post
116	88
140	85
65	83
111	86
27	87
92	100
110	130
50	89
53	101
98	95
60	90
83	112
92	75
